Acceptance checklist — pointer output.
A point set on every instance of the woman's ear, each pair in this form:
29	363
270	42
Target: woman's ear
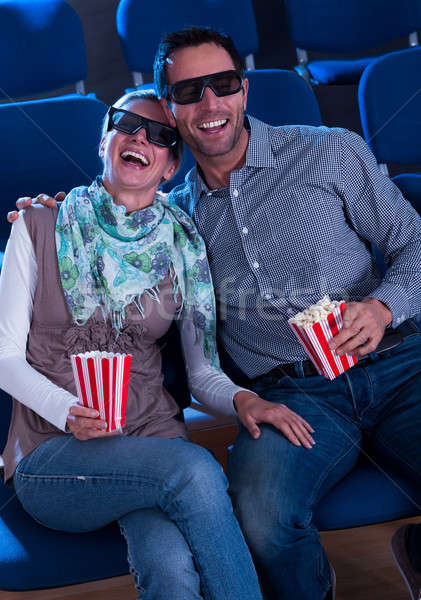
171	170
167	112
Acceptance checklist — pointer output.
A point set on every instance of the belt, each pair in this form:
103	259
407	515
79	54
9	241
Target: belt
305	368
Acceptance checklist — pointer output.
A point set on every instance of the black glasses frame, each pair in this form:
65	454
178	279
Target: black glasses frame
206	81
143	123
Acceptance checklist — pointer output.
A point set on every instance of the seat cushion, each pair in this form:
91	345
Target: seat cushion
33	557
367	496
344	72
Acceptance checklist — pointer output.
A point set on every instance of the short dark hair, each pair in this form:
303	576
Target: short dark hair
186	38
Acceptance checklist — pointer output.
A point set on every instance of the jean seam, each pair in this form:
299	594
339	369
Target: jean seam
133	571
176	504
129	479
323	477
369	405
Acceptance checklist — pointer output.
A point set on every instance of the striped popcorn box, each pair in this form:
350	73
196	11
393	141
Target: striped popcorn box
102	382
314	330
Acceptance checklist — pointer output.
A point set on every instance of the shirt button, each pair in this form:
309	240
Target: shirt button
209	194
235	193
256	264
267	296
245	230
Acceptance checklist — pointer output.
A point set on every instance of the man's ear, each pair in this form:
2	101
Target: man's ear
101	148
167	112
245	92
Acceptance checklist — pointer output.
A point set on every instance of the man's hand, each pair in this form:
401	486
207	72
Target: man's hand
364	325
26	201
85	425
252	410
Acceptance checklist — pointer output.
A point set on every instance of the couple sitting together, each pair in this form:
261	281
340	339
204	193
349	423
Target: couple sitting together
283	215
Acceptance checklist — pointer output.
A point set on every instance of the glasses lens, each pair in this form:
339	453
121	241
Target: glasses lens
161	135
126	122
191	90
188	91
130	123
225	83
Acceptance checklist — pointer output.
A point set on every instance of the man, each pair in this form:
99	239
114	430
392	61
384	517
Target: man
287	215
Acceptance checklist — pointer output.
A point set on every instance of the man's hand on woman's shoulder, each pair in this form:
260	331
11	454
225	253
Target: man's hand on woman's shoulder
25	201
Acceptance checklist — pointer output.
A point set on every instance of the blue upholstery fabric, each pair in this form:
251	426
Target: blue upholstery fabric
281	97
390	107
347	27
52	145
410	186
339	27
367	496
32	556
140	25
44	45
339	72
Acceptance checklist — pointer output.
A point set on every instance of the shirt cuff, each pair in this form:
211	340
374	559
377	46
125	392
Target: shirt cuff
396	301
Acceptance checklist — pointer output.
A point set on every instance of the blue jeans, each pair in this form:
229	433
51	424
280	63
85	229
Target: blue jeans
170	498
275	485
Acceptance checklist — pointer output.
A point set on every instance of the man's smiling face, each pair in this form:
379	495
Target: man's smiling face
212	126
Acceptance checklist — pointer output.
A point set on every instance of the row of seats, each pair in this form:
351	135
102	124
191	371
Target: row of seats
50	32
60	137
62	134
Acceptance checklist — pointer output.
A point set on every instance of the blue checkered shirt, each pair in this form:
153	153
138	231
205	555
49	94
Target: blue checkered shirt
296	223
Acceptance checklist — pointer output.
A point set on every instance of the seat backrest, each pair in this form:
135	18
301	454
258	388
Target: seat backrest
334	26
47	146
41	45
140	25
281	97
390	107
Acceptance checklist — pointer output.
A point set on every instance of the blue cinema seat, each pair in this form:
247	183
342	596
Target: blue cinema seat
44	45
52	145
348	32
140	27
390	108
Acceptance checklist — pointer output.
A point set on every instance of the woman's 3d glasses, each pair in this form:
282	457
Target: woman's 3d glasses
188	91
130	123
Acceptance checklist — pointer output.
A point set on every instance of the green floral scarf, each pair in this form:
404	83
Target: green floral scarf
108	259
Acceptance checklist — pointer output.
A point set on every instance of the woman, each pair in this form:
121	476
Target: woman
126	263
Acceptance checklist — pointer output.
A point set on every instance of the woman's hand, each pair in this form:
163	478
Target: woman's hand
26	201
85	425
252	410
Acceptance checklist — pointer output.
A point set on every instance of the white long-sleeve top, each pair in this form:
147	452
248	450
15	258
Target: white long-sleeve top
18	282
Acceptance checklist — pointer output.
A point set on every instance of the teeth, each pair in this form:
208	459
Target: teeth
211	124
137	155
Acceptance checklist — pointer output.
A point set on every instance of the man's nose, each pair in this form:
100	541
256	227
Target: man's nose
209	97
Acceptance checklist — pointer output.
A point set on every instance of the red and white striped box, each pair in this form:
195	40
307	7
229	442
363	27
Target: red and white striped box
102	382
314	339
